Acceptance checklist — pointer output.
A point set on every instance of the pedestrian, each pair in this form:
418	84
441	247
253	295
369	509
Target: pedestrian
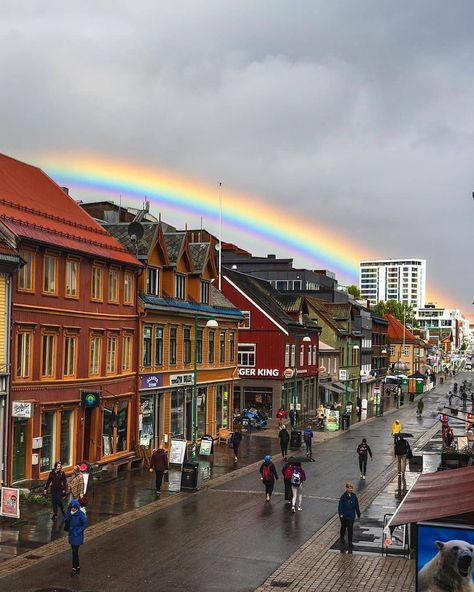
363	450
287	471
293	415
396	427
464	401
298	476
284	438
450	398
268	476
420	407
402	452
235	440
76	484
348	509
308	440
75	524
58	483
281	415
159	464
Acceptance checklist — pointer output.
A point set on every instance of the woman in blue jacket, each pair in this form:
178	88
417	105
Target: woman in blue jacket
77	523
347	510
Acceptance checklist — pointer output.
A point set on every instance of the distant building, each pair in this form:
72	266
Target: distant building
403	280
437	321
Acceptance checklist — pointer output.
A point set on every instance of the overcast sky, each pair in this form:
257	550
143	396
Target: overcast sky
357	113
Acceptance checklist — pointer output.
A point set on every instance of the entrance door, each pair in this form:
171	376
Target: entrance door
20	433
88	449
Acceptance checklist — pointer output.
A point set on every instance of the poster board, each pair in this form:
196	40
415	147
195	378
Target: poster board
10	502
178	452
332	420
205	448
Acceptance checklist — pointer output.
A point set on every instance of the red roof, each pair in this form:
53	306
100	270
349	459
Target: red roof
34	207
396	329
437	495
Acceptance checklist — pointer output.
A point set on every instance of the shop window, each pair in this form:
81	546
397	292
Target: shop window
212	346
94	355
146	346
72	276
201	411
222	347
147	412
128	288
48	433
173	334
96	283
24	354
48	356
113	286
232	346
158	346
127	346
66	437
222	406
115	429
122	426
26	272
50	273
177	413
187	345
70	355
153	281
111	367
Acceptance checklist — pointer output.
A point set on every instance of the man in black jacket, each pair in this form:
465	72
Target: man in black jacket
58	483
363	450
402	452
284	438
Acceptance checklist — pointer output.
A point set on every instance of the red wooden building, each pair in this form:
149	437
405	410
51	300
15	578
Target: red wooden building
75	330
275	339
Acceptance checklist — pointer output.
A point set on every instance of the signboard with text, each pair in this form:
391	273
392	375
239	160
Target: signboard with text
20	409
10	502
150	381
181	379
177	452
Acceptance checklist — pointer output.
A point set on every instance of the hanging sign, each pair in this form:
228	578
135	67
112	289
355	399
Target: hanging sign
20	409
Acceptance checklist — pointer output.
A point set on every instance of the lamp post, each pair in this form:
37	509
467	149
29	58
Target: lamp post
211	324
305	339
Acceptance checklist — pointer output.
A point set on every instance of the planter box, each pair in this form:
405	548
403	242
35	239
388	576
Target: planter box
454	460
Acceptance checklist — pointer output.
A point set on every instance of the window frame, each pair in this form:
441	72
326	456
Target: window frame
93	338
173	346
158	340
111	354
26	357
51	351
97	283
47	256
180	286
187	345
72	295
73	339
222	346
30	267
127	352
113	271
147	362
246	353
155	290
205	292
211	346
128	288
232	346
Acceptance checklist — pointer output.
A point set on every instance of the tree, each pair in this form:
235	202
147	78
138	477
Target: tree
399	310
353	290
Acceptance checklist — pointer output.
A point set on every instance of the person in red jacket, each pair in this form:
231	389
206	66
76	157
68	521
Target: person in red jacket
159	464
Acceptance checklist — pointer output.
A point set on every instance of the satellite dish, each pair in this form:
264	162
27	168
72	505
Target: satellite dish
135	231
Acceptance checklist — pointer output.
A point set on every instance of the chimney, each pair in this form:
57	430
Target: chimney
271	256
66	190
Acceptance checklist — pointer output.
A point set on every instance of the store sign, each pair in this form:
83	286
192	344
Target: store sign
343	374
288	373
20	409
90	399
181	379
322	369
150	381
262	372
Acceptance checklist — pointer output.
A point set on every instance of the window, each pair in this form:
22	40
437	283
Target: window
293	355
48	433
180	286
70	355
177	413
72	274
245	322
158	346
309	355
314	355
287	355
66	437
201	410
57	431
26	273
205	289
246	354
111	367
301	355
391	350
222	406
153	281
222	347
113	286
173	333
24	344
146	346
127	344
128	288
212	346
406	351
232	346
115	428
96	283
48	354
94	355
187	345
199	347
50	271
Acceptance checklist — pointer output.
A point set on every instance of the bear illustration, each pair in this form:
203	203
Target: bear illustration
450	570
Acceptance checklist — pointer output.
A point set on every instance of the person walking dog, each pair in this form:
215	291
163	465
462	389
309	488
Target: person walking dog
268	476
363	450
348	509
75	524
58	483
159	464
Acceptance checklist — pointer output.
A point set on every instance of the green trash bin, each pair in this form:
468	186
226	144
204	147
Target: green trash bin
420	385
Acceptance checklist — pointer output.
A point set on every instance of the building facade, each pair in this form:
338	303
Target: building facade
403	280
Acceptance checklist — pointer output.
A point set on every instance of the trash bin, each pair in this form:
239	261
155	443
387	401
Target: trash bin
295	439
345	421
415	463
189	476
412	396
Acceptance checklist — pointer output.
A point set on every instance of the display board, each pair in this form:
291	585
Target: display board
10	502
178	452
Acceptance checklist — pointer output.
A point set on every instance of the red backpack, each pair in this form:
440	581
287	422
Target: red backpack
288	472
267	472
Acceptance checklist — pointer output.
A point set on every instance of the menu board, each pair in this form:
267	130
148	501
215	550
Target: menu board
177	452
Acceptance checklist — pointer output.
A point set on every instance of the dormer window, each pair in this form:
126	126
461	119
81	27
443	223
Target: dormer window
153	281
180	286
205	289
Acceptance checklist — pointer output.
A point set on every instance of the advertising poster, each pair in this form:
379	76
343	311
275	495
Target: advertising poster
10	502
445	553
177	452
332	420
206	447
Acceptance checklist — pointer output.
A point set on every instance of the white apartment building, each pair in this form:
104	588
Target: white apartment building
403	280
437	320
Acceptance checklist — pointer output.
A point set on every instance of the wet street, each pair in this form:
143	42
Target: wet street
225	537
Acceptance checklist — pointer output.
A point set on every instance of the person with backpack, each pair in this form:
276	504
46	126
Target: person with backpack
268	476
235	440
284	438
308	440
363	450
287	471
402	452
297	477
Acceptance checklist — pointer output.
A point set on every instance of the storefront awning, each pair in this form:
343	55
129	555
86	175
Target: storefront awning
437	495
343	387
330	387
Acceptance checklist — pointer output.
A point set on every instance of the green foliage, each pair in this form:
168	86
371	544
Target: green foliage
353	290
398	310
34	498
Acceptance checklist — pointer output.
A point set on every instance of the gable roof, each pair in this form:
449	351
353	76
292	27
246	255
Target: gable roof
139	247
174	242
335	315
33	207
396	330
199	254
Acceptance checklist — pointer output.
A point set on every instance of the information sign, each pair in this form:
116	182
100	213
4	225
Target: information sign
178	452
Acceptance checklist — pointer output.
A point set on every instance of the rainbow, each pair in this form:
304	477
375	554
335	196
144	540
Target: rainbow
321	247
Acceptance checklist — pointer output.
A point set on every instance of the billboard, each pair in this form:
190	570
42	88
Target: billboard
444	555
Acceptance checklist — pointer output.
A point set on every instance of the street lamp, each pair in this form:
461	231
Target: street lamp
305	339
211	324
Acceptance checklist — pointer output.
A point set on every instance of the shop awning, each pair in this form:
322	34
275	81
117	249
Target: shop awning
437	495
343	387
330	387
